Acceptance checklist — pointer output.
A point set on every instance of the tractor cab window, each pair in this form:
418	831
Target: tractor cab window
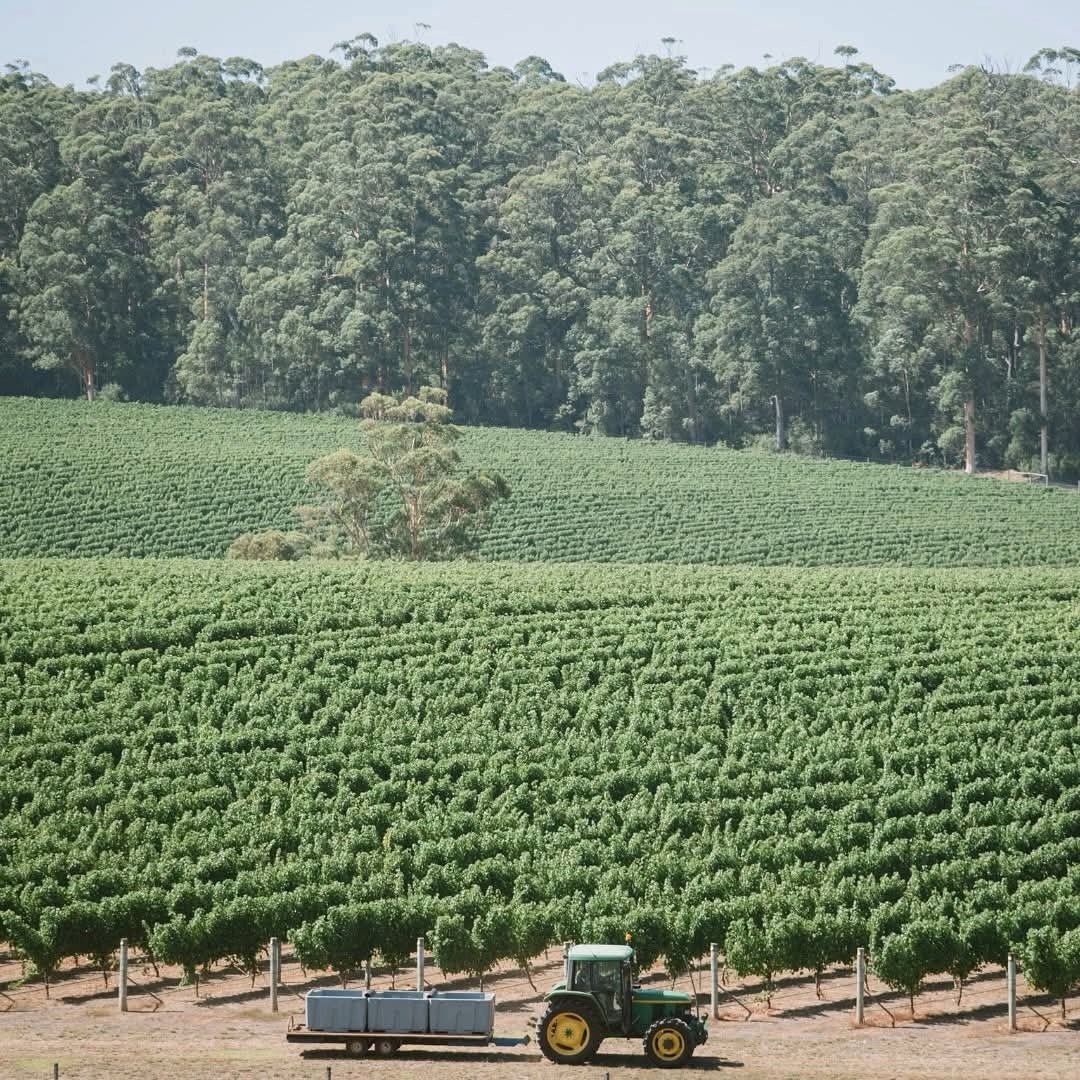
606	975
599	976
607	980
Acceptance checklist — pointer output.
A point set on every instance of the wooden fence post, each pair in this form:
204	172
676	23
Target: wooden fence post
122	988
1010	984
714	984
420	963
275	971
860	983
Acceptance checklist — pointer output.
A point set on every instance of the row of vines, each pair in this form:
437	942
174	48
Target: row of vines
197	756
138	480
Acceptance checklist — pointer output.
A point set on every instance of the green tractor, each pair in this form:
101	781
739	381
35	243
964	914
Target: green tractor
598	1000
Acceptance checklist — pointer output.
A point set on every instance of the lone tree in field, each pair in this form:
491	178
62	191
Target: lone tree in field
406	496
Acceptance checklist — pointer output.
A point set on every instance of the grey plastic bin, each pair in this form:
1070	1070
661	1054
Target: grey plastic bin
397	1011
335	1010
461	1012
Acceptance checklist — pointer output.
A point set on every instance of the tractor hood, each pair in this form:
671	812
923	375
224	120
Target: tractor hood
643	996
660	997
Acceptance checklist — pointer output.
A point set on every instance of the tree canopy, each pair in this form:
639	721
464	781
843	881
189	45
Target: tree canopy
799	255
406	496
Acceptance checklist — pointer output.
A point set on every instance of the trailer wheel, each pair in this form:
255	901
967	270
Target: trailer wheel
386	1047
357	1047
669	1042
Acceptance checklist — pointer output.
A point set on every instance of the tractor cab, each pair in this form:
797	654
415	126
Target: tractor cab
605	972
598	999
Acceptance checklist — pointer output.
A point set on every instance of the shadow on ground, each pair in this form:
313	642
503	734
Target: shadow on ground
451	1057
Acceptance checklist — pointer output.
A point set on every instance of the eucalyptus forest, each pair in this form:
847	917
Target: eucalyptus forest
802	255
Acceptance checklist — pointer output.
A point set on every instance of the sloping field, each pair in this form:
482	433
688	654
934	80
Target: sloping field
79	480
788	762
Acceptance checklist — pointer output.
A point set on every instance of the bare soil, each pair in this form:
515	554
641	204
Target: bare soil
229	1033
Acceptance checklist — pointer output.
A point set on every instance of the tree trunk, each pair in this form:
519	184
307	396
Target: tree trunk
969	404
1044	455
781	423
406	358
692	407
969	436
85	367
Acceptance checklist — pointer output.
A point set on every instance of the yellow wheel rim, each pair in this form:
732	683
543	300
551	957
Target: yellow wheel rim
668	1044
568	1033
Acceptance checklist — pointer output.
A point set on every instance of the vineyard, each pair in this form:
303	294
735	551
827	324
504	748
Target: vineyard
198	755
140	480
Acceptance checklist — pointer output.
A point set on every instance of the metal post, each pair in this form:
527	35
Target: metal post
860	983
419	963
1010	980
122	990
714	972
56	1071
275	971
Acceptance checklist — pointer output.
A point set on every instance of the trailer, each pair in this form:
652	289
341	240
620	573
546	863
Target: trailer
381	1021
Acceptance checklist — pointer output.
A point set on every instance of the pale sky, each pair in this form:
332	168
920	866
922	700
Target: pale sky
915	41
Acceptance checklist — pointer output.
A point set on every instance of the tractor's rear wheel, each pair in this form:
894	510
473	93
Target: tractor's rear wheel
669	1043
569	1032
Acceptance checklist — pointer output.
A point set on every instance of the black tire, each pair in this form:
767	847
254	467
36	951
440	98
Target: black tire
358	1047
569	1032
385	1047
669	1042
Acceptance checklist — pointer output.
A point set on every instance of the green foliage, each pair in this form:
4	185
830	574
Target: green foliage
200	755
40	945
412	464
793	254
472	946
187	482
342	940
1051	961
762	950
925	945
271	544
186	942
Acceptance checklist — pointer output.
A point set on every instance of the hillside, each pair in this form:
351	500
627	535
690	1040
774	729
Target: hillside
684	753
139	480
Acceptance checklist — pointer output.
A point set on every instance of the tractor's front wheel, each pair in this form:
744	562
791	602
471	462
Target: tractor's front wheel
669	1043
568	1033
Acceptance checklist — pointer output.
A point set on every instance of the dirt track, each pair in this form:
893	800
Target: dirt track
230	1033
